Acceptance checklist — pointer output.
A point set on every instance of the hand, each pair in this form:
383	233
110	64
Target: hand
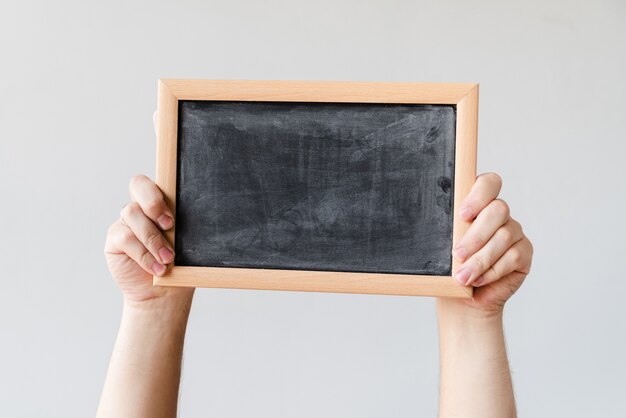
496	257
135	248
495	254
154	319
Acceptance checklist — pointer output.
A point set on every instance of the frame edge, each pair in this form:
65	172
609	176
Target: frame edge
463	95
166	154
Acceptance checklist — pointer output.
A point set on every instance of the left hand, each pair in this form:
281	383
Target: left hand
495	254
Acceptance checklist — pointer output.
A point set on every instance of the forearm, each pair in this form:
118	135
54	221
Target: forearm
144	372
474	373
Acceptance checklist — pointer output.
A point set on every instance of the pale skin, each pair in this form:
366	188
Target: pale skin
144	372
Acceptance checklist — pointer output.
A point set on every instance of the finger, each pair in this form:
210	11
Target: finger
488	221
517	259
147	232
504	238
500	291
155	116
121	240
485	189
150	199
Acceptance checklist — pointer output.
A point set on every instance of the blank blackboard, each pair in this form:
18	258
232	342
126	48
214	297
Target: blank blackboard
318	186
315	186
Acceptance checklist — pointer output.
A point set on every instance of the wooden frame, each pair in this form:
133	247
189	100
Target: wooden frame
463	95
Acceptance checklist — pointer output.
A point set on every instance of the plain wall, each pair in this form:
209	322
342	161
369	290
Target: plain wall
78	85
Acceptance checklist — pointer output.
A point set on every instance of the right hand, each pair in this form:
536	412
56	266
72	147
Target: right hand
135	247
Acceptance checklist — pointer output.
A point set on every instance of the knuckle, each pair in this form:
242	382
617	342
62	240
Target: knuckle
480	263
475	241
492	274
153	205
108	239
526	271
153	240
132	208
516	255
112	229
146	260
119	237
136	180
528	259
494	178
125	236
506	235
516	227
500	208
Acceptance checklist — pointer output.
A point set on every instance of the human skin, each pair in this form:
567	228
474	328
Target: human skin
144	372
475	380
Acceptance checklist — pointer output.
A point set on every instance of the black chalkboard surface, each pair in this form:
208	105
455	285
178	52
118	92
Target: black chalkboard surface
315	186
318	186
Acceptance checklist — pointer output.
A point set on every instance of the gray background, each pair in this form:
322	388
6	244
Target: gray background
78	87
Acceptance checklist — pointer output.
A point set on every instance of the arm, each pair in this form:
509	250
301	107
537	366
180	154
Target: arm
496	257
144	371
475	377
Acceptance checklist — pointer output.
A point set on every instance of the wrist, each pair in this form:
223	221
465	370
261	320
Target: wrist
171	309
475	377
452	313
168	299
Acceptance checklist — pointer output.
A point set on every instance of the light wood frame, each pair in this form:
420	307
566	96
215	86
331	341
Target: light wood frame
463	95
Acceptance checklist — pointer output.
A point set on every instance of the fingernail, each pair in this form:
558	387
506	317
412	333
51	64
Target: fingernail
166	255
165	221
466	213
462	276
158	269
478	281
460	254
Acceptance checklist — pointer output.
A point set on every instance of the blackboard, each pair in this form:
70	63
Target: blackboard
321	186
315	186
